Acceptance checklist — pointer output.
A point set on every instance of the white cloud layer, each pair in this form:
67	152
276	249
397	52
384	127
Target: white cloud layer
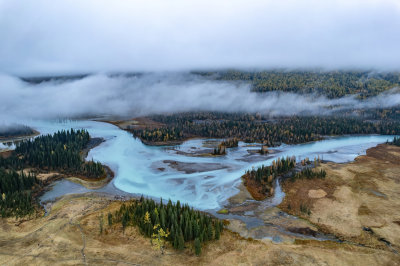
47	36
99	95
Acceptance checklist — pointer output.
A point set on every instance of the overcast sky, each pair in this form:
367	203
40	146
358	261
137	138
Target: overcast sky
57	37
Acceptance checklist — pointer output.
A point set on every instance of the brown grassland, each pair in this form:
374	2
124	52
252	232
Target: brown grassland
358	202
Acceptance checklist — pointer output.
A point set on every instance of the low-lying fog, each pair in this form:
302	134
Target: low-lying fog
156	93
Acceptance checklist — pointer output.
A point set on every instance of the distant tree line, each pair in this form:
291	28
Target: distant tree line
180	223
333	84
15	130
16	193
378	114
255	128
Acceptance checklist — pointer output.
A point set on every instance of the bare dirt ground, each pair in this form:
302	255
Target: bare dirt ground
70	235
357	202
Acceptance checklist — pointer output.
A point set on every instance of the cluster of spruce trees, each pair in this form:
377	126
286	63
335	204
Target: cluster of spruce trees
292	130
220	150
279	167
159	134
260	182
230	143
15	193
184	224
308	173
60	151
396	141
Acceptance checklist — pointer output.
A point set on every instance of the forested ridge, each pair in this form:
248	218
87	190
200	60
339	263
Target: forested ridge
333	84
177	223
255	128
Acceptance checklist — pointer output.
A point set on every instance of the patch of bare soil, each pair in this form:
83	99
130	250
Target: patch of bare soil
45	177
316	194
357	202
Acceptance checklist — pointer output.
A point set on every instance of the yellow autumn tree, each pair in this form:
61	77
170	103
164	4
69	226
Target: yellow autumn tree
159	237
147	218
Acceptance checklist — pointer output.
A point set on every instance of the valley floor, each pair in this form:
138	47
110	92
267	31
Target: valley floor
69	235
357	202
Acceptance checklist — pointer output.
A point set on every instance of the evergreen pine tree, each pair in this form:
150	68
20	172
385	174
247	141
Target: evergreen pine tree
197	246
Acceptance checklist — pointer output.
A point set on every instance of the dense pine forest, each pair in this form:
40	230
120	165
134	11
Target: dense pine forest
176	223
333	84
259	182
392	114
58	152
255	128
16	193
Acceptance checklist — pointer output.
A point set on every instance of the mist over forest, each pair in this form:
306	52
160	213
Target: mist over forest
169	92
